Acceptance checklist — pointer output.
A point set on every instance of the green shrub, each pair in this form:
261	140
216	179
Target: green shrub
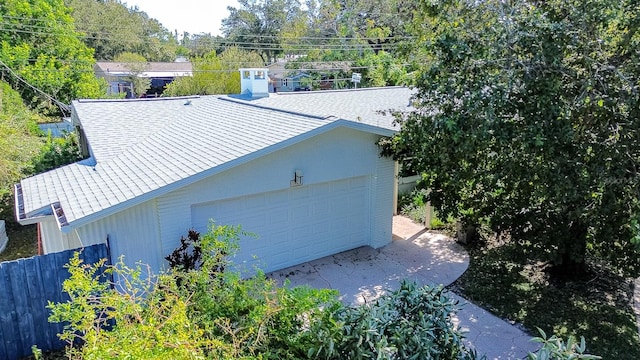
554	348
57	152
412	205
146	318
206	312
186	313
409	323
253	316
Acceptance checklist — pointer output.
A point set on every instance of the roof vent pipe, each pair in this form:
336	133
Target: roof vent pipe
254	82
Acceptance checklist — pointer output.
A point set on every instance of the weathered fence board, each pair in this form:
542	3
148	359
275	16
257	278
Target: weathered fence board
4	240
26	287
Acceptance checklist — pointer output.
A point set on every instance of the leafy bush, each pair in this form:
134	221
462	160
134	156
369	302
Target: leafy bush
555	348
145	318
207	313
409	323
186	313
57	152
19	143
412	205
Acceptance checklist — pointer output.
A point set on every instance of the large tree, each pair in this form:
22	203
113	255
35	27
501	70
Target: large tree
43	53
215	74
111	28
257	24
528	118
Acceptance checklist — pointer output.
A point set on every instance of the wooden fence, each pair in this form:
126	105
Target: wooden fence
4	240
26	286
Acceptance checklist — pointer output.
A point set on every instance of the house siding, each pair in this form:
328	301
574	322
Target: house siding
337	155
147	232
134	233
382	204
53	240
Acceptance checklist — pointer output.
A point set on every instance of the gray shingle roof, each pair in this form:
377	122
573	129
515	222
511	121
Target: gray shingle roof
178	67
147	147
361	105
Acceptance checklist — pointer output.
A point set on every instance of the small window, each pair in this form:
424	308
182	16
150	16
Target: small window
246	74
285	82
259	74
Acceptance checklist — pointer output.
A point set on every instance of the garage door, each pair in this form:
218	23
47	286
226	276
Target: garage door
295	225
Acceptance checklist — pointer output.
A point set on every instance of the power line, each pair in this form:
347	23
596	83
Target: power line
63	107
300	47
108	36
89	26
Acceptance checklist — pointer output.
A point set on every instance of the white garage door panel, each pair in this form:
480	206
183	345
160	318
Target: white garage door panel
294	225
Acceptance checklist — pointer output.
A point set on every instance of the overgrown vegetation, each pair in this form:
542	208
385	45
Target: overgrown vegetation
207	313
414	206
527	121
19	144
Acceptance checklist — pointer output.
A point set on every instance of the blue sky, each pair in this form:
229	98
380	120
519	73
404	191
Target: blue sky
193	16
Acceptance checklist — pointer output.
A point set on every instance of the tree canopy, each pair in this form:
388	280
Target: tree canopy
256	25
111	28
215	74
41	46
528	119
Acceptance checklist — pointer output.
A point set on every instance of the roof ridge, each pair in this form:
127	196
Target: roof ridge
298	113
86	101
289	93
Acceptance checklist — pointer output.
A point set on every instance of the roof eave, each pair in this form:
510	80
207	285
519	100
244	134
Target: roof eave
68	226
21	216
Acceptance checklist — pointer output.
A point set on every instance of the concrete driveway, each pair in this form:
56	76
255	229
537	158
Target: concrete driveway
429	258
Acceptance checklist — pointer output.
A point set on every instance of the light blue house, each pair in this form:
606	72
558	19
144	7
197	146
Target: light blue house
301	170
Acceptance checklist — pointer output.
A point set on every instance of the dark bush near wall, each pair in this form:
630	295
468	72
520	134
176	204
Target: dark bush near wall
188	256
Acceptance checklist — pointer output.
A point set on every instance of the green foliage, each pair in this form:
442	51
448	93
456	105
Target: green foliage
409	323
215	74
528	119
185	314
57	152
212	313
383	69
141	317
554	348
258	24
19	143
40	44
412	205
135	31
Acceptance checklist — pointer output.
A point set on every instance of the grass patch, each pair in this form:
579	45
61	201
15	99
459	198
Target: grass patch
598	306
23	242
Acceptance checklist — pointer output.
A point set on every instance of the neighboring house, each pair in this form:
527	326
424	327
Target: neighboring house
160	73
301	170
287	80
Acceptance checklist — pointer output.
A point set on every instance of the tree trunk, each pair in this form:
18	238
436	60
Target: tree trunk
573	252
